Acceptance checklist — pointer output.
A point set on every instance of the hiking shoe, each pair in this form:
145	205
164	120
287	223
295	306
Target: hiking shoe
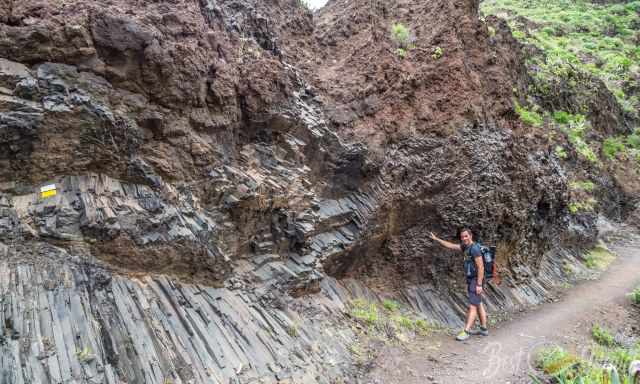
478	331
463	335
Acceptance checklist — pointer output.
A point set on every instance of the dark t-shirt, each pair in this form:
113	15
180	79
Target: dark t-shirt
474	251
469	257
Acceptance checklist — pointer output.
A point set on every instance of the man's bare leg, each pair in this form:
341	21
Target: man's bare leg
483	316
471	317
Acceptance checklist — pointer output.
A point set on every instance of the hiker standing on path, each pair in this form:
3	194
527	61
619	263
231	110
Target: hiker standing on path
474	269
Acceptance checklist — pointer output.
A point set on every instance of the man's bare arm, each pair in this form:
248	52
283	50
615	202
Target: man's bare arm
446	244
480	268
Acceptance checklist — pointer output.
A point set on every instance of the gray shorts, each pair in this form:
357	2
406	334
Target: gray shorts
474	298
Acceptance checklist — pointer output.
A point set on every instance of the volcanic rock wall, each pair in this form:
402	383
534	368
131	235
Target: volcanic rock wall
218	163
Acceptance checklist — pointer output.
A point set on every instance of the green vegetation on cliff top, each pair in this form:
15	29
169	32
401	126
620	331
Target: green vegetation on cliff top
603	40
578	41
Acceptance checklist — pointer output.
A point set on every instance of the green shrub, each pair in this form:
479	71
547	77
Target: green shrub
401	52
635	296
633	140
518	34
612	146
529	117
576	133
588	154
549	31
599	257
602	336
365	311
556	360
633	6
390	305
585	151
562	117
619	357
566	368
576	37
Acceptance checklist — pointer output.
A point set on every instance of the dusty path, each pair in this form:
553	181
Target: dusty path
506	356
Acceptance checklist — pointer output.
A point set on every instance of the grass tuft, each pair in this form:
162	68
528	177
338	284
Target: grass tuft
390	305
401	35
582	185
612	146
635	296
529	117
602	336
599	258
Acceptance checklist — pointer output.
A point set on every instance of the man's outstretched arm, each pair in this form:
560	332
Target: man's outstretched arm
446	244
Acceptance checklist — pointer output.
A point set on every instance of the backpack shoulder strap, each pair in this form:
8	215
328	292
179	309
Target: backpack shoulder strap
467	250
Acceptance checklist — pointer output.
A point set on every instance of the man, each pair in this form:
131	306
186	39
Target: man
475	280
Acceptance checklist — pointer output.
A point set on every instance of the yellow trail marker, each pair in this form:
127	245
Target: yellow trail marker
48	191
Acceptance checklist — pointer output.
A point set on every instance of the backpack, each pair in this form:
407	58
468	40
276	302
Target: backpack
488	258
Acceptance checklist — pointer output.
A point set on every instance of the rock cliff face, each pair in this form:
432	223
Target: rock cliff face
219	164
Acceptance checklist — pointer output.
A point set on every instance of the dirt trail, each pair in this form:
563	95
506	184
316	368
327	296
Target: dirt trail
507	355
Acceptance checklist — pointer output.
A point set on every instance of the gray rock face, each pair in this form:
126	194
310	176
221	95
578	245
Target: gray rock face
65	322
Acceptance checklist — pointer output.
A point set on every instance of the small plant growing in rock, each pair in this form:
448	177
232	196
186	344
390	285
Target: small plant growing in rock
437	53
633	140
365	311
401	34
84	355
562	117
582	185
304	4
529	117
403	322
587	152
574	208
423	327
576	134
602	336
587	205
390	305
568	269
555	360
599	257
635	296
612	146
561	152
293	330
